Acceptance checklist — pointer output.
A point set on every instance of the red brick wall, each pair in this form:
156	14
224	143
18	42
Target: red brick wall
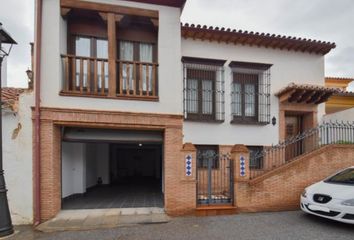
179	191
281	188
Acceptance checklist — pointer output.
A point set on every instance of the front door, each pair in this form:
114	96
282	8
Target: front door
293	127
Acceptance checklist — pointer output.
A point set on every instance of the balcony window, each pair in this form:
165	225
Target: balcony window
250	93
110	55
137	65
87	49
203	90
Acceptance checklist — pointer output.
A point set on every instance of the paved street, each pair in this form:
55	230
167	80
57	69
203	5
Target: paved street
283	225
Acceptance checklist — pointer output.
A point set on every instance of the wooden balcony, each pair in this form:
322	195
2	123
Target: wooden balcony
89	77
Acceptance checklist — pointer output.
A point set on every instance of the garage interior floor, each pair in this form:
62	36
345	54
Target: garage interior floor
132	193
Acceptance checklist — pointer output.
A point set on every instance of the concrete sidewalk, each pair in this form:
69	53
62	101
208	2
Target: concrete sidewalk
70	220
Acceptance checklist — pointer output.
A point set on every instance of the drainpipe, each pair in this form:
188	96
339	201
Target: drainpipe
37	82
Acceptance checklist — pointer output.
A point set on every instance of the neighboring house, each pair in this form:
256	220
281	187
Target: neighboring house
346	115
17	152
135	109
342	100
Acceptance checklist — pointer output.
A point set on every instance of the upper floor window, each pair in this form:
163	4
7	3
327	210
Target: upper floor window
250	93
131	53
91	47
86	48
110	55
203	89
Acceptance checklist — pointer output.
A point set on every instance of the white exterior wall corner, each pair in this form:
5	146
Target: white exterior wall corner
169	59
17	160
345	115
288	66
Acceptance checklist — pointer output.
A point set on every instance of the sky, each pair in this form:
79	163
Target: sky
326	20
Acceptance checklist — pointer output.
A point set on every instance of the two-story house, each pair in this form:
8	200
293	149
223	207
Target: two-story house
135	109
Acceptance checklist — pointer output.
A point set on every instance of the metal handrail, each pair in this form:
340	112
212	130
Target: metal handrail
308	141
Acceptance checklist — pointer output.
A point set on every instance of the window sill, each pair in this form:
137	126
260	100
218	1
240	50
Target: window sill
117	97
204	120
245	122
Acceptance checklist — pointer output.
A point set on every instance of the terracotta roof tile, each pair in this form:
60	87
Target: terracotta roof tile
306	93
293	86
340	78
255	38
171	3
9	97
344	93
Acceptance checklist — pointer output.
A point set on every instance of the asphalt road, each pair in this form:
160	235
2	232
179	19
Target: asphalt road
279	225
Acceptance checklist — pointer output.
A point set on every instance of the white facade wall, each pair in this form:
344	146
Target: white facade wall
17	160
73	170
288	66
345	115
4	73
101	164
169	58
82	165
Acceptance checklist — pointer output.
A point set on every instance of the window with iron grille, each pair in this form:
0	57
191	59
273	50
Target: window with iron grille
203	89
250	93
207	154
256	157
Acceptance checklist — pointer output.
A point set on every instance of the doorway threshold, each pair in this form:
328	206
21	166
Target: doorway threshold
90	219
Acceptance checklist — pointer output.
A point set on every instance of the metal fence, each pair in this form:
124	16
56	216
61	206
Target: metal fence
214	179
326	133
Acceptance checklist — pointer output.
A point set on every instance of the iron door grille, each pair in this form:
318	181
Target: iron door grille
214	178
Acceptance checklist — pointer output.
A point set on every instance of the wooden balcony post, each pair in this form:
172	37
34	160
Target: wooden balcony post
112	54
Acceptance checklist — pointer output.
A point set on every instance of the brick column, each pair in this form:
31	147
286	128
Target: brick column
50	170
180	188
190	152
240	153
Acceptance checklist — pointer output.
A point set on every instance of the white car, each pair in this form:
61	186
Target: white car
331	198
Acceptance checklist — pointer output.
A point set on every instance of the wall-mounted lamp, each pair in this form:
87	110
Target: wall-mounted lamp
274	121
30	78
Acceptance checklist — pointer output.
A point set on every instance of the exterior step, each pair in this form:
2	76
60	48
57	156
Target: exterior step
215	210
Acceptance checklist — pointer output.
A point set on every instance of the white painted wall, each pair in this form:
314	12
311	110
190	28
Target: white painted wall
169	55
287	67
73	168
91	170
17	160
4	73
82	164
102	162
345	115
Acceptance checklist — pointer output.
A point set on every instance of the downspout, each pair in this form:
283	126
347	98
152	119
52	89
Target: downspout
37	82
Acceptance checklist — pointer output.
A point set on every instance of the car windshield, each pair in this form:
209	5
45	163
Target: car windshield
346	176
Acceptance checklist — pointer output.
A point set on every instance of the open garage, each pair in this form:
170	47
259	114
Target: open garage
104	168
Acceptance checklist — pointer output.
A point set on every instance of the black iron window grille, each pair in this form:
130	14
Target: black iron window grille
203	91
250	93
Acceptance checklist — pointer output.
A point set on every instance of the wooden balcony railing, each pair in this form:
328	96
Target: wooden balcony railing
137	79
87	76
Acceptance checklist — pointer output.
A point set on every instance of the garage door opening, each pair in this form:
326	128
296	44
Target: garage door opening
122	169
